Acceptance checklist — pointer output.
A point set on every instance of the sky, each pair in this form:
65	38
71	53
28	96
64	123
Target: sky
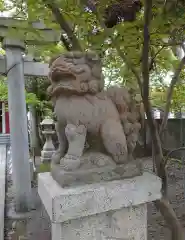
6	13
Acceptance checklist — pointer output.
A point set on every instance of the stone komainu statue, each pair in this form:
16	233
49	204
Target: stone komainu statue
96	128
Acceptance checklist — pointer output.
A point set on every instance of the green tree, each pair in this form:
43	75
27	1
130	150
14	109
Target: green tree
31	98
141	49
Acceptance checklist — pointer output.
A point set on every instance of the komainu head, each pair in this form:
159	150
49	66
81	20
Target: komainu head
76	73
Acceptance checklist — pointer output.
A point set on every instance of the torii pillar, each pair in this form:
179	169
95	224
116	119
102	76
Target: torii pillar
18	124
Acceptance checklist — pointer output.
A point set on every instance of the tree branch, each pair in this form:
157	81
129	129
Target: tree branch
154	57
170	93
129	64
170	153
66	43
162	204
157	149
64	25
171	219
119	51
146	47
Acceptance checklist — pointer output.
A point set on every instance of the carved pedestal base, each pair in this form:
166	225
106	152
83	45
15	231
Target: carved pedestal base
93	167
101	211
95	174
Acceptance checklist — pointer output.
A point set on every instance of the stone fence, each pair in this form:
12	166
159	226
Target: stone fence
173	138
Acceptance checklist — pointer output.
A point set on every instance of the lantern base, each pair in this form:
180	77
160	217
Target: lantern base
46	156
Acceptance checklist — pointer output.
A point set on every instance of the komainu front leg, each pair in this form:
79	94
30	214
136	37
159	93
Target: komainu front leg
76	136
60	152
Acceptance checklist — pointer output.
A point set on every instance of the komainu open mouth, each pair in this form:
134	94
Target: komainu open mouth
61	75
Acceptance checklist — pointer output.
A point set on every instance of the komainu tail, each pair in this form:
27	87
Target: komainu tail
130	114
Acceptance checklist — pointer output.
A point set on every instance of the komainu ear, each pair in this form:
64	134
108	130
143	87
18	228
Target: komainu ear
53	59
50	90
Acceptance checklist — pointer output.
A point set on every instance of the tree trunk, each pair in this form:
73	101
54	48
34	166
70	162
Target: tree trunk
170	217
163	204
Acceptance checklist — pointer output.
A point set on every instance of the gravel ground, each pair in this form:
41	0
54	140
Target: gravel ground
39	224
157	228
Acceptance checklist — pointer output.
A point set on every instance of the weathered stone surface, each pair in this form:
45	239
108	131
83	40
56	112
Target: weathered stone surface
97	174
90	119
48	148
64	204
30	68
18	124
2	187
109	210
125	224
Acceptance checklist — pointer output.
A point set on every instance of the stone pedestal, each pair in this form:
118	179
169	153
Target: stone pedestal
103	211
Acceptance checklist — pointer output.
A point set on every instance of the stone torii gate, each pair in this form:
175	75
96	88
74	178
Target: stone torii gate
30	67
15	68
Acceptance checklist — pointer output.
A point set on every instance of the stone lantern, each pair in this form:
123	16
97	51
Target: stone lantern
47	126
